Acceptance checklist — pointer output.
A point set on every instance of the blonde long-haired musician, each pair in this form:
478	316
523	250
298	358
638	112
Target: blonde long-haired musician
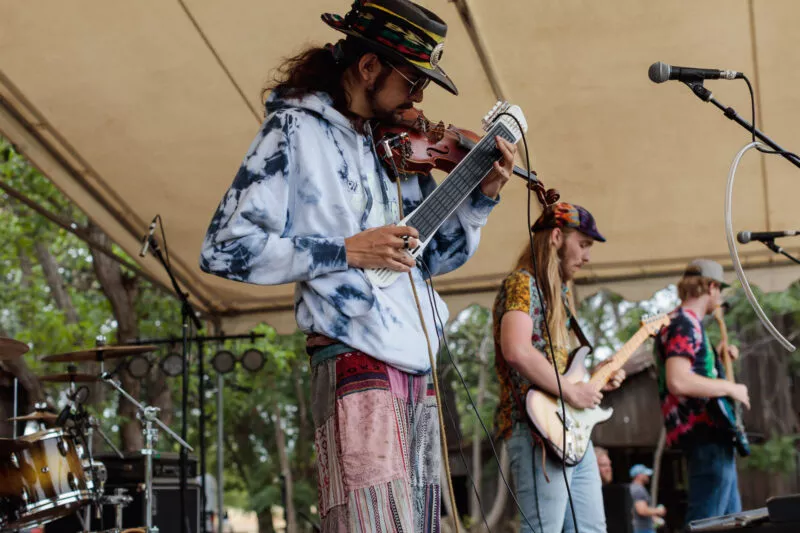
562	240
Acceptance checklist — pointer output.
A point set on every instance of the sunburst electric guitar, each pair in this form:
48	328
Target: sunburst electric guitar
545	410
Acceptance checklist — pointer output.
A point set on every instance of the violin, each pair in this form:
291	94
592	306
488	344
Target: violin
418	146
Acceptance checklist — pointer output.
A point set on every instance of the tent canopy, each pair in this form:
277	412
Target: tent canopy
139	108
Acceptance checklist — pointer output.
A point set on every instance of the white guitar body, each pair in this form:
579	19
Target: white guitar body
545	410
504	120
546	414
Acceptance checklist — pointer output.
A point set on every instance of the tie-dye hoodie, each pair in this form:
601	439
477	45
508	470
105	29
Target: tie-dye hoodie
308	181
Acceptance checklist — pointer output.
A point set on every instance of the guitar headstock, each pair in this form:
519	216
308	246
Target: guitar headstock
653	324
500	112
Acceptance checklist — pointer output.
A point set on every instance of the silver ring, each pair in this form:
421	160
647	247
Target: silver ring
405	242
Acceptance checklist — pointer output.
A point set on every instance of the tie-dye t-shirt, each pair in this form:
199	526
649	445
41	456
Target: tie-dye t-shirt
684	337
518	293
308	181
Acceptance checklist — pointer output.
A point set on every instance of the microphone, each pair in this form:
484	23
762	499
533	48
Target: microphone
65	413
746	236
660	72
74	402
146	240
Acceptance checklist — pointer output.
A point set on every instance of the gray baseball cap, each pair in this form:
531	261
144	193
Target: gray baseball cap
706	268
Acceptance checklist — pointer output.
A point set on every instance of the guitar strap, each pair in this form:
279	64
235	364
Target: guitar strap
576	329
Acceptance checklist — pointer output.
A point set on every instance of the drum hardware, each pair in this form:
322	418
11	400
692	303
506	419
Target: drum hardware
98	354
68	378
120	499
148	416
11	349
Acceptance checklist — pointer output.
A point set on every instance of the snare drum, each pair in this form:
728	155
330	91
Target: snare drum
41	478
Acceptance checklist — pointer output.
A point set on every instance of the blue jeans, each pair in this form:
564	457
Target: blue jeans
713	483
546	505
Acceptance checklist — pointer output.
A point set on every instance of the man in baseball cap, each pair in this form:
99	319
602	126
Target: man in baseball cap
690	376
532	335
643	511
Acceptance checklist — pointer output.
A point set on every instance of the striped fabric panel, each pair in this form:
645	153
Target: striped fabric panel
383	508
330	484
428	516
402	416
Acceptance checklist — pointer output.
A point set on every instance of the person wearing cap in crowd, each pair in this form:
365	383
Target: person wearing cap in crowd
643	512
562	241
688	377
312	204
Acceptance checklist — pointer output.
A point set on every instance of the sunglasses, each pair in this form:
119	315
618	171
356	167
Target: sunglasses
416	85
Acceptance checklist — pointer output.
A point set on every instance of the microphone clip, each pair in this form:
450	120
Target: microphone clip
770	243
700	90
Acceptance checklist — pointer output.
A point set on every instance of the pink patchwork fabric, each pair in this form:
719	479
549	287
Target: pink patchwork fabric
378	448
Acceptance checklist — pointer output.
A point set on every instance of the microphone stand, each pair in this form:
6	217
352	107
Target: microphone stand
705	95
188	315
770	243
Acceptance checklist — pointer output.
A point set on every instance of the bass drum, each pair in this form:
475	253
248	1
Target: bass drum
41	478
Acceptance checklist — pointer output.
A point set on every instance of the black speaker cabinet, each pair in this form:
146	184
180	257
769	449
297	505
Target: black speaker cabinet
619	508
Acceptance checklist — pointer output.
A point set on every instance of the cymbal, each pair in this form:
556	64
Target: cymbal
9	348
101	352
39	416
68	378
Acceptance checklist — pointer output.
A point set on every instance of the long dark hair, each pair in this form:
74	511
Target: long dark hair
320	69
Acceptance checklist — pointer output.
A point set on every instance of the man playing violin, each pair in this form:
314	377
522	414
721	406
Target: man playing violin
312	204
688	377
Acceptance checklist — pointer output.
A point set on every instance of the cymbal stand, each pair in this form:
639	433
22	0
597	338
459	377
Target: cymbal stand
93	423
148	416
16	406
120	499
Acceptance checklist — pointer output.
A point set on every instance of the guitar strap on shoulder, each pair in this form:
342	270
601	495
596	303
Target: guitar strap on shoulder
576	329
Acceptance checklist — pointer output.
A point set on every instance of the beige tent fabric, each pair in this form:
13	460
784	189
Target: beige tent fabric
139	108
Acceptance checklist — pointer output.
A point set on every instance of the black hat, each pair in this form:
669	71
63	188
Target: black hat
398	30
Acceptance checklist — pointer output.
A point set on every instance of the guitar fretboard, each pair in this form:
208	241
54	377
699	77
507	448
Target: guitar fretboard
603	375
446	198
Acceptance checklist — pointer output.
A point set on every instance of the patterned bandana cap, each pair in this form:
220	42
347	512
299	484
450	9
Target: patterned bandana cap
564	215
398	30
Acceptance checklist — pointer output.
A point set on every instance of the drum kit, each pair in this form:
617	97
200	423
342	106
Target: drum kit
51	473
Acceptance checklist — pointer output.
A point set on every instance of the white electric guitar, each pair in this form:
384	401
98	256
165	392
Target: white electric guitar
457	186
545	410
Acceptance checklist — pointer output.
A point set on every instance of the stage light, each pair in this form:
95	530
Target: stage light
252	360
172	365
139	366
223	361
